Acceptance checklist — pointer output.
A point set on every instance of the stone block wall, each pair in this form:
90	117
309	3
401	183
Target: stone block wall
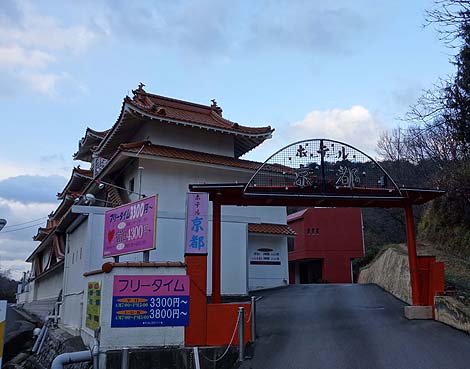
57	342
451	311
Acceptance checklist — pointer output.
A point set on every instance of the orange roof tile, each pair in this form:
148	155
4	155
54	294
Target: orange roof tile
147	148
144	106
270	228
77	182
189	112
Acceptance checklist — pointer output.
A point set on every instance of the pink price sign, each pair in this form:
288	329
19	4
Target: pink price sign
150	285
130	228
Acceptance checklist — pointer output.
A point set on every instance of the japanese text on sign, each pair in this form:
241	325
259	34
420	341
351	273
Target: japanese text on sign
130	228
197	223
93	305
150	301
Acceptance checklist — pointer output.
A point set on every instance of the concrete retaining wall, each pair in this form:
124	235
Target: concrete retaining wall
57	342
451	311
390	271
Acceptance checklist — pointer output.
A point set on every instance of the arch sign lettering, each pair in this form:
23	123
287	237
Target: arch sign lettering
320	165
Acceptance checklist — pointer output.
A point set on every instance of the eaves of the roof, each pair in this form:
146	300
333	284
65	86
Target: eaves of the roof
271	228
77	182
147	148
297	215
91	139
159	109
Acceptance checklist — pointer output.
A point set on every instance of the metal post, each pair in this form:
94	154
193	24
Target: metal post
125	358
241	333
253	318
196	357
146	256
216	219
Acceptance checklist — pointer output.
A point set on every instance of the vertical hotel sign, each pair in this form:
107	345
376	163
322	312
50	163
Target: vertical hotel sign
197	214
130	228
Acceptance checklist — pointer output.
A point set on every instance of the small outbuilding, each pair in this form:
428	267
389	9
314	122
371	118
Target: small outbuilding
326	242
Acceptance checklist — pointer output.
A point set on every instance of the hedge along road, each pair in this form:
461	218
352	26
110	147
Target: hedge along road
349	326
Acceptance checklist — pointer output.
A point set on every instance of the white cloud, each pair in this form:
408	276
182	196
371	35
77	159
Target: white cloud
16	242
356	126
45	83
13	169
15	56
39	31
31	43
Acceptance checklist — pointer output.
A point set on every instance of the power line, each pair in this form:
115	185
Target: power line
19	229
29	221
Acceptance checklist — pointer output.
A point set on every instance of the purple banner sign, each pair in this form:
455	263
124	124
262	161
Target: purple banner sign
197	216
130	228
150	301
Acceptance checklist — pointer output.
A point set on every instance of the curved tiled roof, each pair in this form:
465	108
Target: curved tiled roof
147	148
190	112
91	139
144	107
270	228
77	182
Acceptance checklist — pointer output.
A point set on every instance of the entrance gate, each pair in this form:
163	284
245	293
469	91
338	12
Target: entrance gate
321	173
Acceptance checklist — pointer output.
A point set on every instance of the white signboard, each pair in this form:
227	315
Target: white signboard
265	256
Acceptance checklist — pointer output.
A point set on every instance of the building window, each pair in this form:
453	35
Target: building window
308	230
131	184
318	230
290	244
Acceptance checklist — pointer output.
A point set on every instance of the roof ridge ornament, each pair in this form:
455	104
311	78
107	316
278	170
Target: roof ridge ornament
216	108
139	89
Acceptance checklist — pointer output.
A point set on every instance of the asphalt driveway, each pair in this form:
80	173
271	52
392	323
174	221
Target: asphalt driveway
349	326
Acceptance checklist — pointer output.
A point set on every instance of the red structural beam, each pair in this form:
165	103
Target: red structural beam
216	253
412	255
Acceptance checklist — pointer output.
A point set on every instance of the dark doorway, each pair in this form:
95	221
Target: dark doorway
310	271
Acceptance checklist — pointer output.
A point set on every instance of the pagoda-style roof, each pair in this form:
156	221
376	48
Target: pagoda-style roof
64	206
147	148
90	140
144	107
77	182
42	233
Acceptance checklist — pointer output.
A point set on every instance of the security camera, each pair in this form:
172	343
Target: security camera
90	199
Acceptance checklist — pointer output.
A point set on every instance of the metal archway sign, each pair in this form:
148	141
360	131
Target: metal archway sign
320	165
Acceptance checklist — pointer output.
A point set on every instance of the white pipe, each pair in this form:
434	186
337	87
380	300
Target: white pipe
39	339
43	339
95	352
70	358
196	357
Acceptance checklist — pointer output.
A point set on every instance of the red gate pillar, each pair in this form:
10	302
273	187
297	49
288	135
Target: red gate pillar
216	253
412	255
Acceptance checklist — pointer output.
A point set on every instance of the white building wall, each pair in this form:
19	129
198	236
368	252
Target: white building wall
74	282
187	138
171	180
117	338
268	276
48	286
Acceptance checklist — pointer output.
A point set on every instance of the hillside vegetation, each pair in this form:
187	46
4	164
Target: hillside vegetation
433	150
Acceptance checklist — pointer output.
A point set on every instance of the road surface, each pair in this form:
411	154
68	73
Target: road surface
350	327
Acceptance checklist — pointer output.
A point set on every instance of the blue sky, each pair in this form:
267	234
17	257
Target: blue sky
345	70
